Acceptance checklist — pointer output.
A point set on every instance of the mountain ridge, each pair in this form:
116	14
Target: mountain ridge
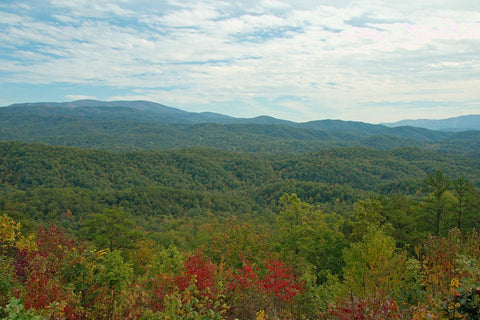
135	125
460	123
151	111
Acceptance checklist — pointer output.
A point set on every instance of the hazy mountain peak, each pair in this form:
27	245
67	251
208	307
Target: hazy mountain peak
461	123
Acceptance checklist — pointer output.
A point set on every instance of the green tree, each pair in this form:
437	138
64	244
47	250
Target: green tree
168	261
238	240
114	274
368	213
113	230
435	203
309	238
81	270
374	268
463	190
401	213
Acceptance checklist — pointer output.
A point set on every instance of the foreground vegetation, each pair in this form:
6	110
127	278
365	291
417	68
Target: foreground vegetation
201	234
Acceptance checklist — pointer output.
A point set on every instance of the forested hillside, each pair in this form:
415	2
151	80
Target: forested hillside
181	181
150	212
204	233
143	125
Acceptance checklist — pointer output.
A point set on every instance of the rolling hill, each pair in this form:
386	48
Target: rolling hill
144	125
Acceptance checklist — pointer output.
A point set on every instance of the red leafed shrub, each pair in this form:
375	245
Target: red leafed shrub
271	287
41	288
198	279
21	263
246	278
41	274
280	281
276	280
202	270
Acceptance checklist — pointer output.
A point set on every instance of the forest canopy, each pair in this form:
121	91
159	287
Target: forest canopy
203	233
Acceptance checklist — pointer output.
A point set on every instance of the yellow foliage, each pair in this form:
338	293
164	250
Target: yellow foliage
261	315
27	243
8	230
10	235
101	253
422	313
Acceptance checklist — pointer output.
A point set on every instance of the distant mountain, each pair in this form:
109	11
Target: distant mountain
140	125
462	123
135	109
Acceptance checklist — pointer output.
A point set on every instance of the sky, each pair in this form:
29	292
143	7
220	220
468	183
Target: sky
370	61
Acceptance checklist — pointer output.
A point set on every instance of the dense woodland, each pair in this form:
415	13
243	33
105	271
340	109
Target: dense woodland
203	233
343	231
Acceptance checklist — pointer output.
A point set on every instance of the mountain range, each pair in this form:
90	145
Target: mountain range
174	115
134	125
461	123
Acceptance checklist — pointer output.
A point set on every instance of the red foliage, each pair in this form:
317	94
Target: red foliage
158	287
41	289
50	274
40	271
21	263
55	243
71	313
440	254
197	270
246	278
278	280
202	270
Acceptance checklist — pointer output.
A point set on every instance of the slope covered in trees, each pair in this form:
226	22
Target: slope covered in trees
143	125
46	181
326	221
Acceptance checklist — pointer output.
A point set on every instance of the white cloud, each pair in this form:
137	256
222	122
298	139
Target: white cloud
11	19
191	17
275	4
333	55
93	8
79	97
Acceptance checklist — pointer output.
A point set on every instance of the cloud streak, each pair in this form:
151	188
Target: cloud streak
355	60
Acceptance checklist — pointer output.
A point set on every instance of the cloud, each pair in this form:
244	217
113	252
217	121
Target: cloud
275	4
79	97
92	8
196	16
205	54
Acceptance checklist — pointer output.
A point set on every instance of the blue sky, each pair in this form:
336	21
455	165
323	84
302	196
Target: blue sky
372	61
